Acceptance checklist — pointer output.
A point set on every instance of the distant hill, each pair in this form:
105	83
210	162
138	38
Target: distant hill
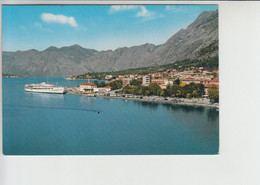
198	41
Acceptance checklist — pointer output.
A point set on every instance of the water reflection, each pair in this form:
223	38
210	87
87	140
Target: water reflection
87	100
175	107
44	96
184	108
150	105
212	114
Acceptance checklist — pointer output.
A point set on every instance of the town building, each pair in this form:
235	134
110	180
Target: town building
146	80
88	76
102	89
160	81
71	78
215	81
107	77
210	83
216	71
190	80
126	81
87	87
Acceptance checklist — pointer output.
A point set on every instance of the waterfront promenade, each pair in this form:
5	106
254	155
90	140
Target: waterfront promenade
154	99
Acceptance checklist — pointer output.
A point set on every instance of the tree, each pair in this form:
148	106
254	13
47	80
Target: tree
163	93
201	90
213	94
194	93
144	90
147	93
177	81
167	91
102	84
154	89
136	82
137	90
116	84
182	84
178	93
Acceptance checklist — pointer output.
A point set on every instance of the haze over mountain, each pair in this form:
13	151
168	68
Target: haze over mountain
198	41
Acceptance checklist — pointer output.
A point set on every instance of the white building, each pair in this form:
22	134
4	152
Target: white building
146	80
108	77
102	89
87	87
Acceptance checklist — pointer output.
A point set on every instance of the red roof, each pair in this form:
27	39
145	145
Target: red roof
108	87
211	85
91	84
189	78
215	80
205	81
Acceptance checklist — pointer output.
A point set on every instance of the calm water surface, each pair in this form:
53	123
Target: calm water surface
51	124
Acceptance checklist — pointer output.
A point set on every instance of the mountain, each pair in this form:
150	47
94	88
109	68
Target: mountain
198	41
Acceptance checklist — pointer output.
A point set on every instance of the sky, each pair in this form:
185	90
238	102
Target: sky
99	27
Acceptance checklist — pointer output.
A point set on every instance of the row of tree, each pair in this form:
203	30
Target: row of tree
213	94
118	84
192	90
177	89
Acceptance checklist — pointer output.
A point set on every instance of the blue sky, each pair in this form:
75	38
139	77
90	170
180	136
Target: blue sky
99	27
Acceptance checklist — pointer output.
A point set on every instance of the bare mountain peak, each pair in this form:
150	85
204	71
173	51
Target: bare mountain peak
76	46
205	17
51	48
33	50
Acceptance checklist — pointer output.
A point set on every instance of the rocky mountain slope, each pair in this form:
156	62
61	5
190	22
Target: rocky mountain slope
198	41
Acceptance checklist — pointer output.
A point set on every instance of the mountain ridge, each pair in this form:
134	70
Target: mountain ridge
198	41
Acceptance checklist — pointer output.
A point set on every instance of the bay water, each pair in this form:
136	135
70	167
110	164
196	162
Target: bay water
62	124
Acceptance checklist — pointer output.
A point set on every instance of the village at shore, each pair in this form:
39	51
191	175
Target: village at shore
163	81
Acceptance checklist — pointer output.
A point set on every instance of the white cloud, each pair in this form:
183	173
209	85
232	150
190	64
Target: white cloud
62	19
144	12
141	11
116	8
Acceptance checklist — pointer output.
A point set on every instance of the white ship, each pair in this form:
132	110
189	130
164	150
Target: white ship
44	88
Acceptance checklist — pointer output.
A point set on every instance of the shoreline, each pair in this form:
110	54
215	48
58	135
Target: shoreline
152	99
161	101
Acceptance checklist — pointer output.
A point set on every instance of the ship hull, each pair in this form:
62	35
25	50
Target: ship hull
53	91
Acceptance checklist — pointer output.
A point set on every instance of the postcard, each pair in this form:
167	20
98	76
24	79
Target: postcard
110	79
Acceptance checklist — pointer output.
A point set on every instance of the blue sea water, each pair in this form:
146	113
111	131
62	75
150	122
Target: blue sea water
56	124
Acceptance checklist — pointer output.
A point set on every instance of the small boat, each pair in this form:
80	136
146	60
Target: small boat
44	88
